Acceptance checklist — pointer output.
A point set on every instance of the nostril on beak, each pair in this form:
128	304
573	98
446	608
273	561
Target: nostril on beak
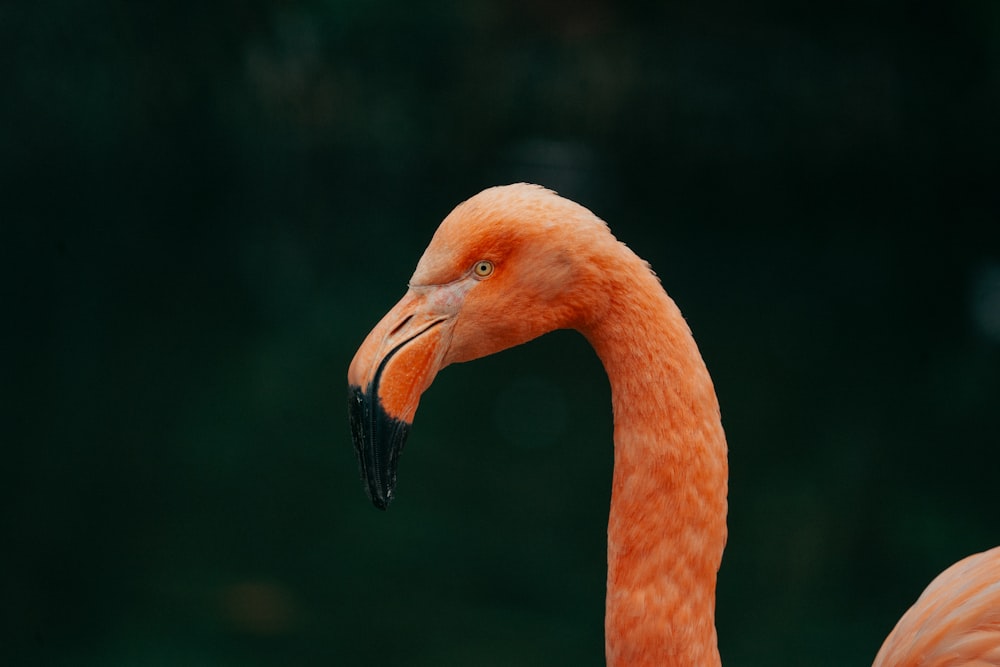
400	325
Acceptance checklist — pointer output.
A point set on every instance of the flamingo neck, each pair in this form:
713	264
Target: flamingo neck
667	524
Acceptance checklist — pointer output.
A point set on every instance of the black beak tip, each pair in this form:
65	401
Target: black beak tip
378	440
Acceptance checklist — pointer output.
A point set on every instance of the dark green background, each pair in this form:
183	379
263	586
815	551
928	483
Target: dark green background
205	208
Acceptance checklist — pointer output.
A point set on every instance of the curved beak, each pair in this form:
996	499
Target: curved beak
394	365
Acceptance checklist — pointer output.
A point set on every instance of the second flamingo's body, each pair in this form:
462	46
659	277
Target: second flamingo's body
516	262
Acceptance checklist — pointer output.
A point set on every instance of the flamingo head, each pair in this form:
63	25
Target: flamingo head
506	266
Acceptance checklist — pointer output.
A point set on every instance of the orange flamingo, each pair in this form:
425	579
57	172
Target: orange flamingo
518	261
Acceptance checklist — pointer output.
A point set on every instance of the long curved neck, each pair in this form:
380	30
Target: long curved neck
667	526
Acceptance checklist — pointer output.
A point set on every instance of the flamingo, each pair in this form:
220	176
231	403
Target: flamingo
517	261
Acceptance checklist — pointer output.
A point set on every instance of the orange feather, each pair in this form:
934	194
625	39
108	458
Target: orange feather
956	621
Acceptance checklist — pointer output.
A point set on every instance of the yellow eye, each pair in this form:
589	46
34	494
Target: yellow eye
483	268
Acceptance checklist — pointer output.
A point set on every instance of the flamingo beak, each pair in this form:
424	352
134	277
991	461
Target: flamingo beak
378	440
394	365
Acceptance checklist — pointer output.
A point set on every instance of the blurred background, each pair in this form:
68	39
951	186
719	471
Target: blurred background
206	207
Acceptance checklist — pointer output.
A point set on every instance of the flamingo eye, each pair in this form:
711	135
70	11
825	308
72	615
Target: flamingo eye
483	268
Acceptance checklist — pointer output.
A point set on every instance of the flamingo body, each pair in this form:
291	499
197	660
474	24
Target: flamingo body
956	621
518	261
